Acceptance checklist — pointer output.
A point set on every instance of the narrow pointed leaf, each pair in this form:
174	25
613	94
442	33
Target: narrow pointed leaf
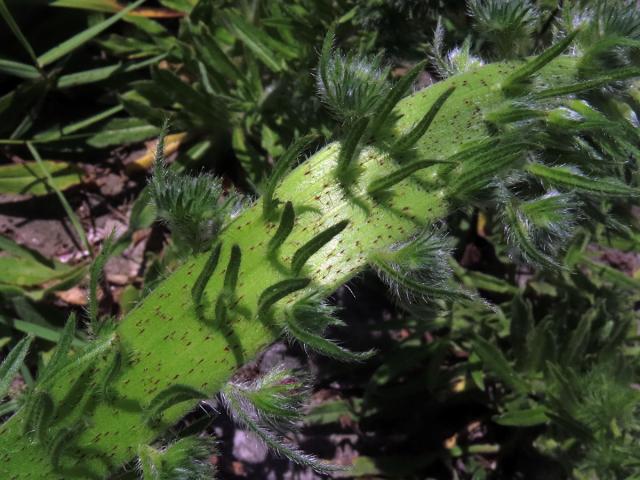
316	243
95	275
278	291
18	69
205	275
516	79
275	444
397	92
523	241
320	344
523	418
110	373
409	139
256	40
13	26
83	37
495	361
325	55
61	354
388	181
38	413
562	176
284	229
404	280
615	75
349	146
62	441
73	218
169	397
233	269
281	168
12	363
86	357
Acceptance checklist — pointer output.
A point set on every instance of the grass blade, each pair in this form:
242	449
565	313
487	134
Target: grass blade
75	221
6	15
18	69
83	37
12	363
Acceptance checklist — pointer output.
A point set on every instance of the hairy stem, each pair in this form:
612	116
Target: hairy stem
168	340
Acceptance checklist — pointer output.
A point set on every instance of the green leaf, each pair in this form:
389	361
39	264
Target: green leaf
523	418
384	183
95	276
26	178
521	324
203	277
169	397
331	411
410	138
515	81
278	291
241	407
541	346
521	235
565	177
322	345
61	353
22	267
233	270
6	15
484	281
307	250
257	41
283	165
90	354
58	133
18	69
614	276
349	147
87	76
187	458
579	339
122	131
284	228
12	363
44	332
180	5
398	91
109	6
210	109
613	75
495	361
73	218
39	410
213	56
83	37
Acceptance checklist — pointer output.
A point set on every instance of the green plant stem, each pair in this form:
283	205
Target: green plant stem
167	342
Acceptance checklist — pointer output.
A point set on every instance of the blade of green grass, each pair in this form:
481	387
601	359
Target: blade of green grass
83	37
103	73
256	40
9	407
75	221
18	69
12	363
40	331
109	6
52	135
6	15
